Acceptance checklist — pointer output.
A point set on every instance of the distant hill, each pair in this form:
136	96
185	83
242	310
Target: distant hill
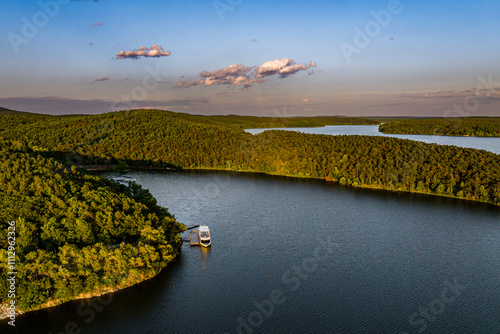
5	111
249	122
244	122
467	126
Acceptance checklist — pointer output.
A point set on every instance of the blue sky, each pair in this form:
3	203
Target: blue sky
421	58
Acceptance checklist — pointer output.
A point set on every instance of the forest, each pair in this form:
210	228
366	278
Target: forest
470	126
79	233
5	111
162	138
76	234
252	122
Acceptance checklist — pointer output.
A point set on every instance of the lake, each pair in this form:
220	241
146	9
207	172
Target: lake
491	144
305	256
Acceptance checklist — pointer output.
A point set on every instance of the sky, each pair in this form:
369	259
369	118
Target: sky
262	58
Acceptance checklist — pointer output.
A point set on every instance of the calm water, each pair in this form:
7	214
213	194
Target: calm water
491	144
364	261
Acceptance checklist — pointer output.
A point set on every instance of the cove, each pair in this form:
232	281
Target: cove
390	258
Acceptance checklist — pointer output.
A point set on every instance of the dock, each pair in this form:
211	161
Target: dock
194	238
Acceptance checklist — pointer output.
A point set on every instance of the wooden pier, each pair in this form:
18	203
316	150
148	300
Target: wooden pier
194	238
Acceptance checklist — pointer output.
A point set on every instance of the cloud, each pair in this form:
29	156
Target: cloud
246	76
233	70
283	67
102	79
305	100
96	24
153	51
231	75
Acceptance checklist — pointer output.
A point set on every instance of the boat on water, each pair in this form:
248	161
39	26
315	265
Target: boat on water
204	234
200	237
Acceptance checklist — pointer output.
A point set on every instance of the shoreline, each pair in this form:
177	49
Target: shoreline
327	179
435	134
108	290
382	132
103	292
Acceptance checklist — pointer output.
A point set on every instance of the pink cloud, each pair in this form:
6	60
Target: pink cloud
246	76
284	67
153	51
231	75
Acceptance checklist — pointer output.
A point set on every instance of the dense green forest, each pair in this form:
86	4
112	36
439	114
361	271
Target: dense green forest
79	233
479	127
251	122
76	234
244	122
162	138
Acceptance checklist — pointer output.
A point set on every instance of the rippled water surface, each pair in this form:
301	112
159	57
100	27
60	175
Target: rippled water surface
305	256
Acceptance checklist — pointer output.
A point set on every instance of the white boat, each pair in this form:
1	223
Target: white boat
204	234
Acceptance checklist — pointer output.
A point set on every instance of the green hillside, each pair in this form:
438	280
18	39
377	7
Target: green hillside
162	138
76	234
5	111
474	126
249	122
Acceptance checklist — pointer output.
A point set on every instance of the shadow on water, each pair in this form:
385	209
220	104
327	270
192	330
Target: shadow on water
405	197
76	316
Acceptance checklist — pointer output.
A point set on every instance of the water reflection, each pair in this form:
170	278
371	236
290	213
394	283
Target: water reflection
205	253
